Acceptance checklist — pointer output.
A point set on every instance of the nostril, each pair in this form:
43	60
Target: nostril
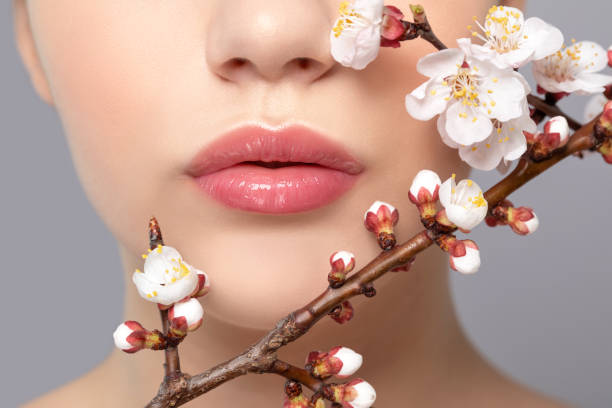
236	62
303	63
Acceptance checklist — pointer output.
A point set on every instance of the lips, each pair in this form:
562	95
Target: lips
281	170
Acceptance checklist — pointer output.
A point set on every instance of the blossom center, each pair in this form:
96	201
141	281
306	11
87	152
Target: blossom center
173	268
565	64
503	30
349	18
464	86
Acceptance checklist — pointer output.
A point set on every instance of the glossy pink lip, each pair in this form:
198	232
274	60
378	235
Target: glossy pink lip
321	170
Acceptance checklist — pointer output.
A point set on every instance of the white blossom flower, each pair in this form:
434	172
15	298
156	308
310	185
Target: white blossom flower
167	278
425	187
188	314
511	41
573	69
468	263
594	107
506	141
469	90
464	203
355	38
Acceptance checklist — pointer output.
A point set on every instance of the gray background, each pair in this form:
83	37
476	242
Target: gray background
539	307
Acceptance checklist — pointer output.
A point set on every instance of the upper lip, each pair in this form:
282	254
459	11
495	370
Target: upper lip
294	143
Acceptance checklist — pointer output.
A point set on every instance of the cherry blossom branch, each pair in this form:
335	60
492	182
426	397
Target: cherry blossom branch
261	356
172	366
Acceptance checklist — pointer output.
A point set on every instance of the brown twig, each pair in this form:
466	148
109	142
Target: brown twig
423	28
172	365
261	357
548	108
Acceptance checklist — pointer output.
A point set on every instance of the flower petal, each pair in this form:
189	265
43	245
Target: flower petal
446	191
502	95
592	56
442	63
427	100
465	218
543	38
465	125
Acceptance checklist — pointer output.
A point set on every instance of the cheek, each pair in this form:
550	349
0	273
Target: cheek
112	69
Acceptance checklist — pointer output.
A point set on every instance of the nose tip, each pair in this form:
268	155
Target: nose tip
269	40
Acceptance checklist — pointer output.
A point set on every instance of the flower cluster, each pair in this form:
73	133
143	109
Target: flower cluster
479	97
522	220
464	207
341	362
173	285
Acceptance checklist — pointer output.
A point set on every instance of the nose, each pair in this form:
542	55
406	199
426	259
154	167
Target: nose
269	40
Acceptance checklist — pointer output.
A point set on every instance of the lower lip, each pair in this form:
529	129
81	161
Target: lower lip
281	190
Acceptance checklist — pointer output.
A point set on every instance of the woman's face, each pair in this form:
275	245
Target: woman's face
141	86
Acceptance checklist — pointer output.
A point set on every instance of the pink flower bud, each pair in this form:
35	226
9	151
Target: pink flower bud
203	286
392	27
339	361
342	262
605	120
522	220
354	394
610	56
470	261
606	150
556	132
343	312
130	336
380	219
186	316
425	187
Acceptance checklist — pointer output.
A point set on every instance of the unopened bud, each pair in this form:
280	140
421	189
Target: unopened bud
555	135
424	192
294	398
339	361
469	262
131	337
606	150
392	27
185	316
342	262
604	124
380	219
558	129
203	286
343	312
354	394
610	56
522	220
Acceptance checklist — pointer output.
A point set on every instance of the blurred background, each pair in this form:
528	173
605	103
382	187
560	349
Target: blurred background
539	308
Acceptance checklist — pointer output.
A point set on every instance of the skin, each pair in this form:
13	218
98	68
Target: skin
140	86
